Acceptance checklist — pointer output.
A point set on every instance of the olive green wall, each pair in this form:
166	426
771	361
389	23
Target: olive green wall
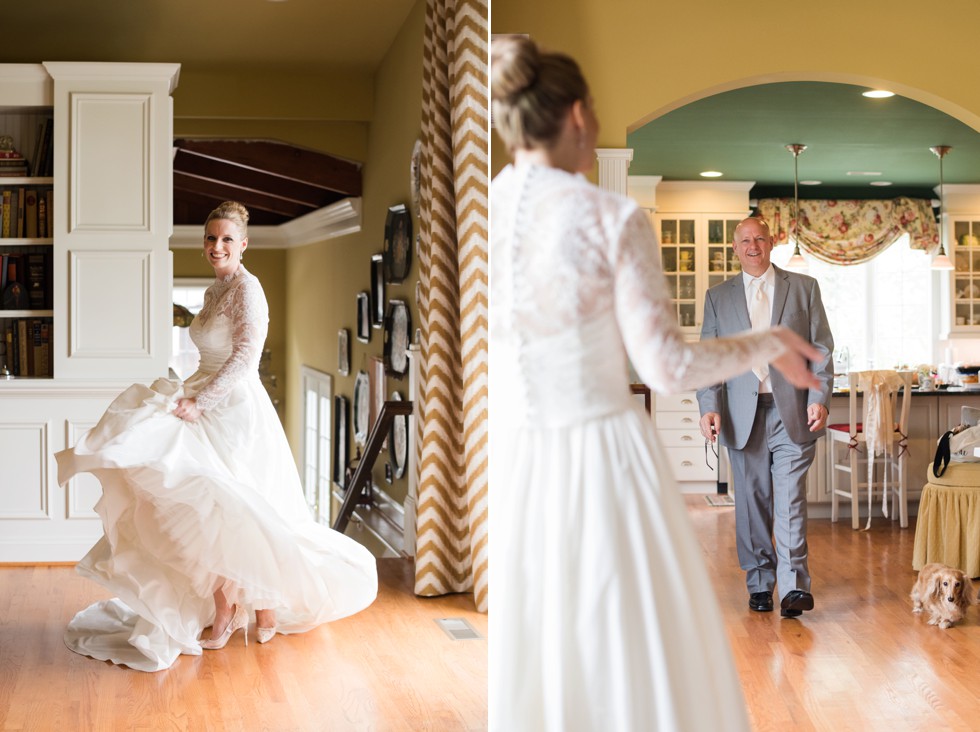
269	265
324	278
330	114
643	59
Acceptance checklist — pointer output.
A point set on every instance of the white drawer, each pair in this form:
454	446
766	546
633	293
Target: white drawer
681	438
688	463
686	401
677	420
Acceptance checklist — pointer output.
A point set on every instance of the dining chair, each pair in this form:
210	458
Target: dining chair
882	430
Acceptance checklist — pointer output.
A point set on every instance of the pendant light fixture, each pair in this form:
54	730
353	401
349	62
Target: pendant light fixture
941	260
796	262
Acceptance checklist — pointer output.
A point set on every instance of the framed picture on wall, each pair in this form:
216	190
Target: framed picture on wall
343	351
362	408
341	453
378	391
398	244
377	291
415	177
398	442
398	326
363	317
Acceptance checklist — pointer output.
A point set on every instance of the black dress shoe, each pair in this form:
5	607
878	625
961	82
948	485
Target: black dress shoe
761	602
795	602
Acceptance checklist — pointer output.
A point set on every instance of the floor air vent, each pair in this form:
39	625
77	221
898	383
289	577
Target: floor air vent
458	629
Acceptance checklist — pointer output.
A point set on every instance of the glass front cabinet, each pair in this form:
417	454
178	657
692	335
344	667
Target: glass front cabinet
696	253
965	253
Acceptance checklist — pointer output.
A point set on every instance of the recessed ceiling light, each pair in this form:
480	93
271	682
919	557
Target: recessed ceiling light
711	174
863	172
881	182
810	182
877	94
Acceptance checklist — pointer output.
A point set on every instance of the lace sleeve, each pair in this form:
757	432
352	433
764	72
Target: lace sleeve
647	319
249	313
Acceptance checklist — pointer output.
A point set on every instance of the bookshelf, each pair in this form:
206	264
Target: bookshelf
96	140
26	242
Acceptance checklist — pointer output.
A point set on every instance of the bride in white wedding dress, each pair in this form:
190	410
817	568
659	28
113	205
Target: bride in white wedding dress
202	508
602	613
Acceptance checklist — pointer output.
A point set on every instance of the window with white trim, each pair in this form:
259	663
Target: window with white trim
317	441
879	311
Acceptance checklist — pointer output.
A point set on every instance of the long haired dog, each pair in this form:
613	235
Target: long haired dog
944	592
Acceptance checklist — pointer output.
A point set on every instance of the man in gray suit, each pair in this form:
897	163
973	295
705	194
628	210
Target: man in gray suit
769	427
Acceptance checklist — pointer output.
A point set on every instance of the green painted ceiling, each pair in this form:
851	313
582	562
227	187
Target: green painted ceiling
743	134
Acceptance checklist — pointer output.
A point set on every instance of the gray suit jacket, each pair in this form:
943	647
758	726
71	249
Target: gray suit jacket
797	306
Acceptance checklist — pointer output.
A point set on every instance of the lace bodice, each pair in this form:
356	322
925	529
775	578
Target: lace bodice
566	256
230	332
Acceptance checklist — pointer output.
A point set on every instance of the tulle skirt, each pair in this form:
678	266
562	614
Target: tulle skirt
192	507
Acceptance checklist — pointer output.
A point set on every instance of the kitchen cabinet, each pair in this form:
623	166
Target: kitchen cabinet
695	253
677	417
965	291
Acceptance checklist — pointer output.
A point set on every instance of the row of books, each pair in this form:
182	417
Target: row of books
25	279
26	212
13	165
26	348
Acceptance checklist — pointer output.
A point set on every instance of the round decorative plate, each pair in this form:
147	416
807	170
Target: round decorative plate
398	327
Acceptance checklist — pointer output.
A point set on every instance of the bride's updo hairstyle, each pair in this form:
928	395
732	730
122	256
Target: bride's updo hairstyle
232	211
532	91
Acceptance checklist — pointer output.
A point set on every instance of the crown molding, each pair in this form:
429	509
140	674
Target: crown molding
63	70
337	219
708	185
259	237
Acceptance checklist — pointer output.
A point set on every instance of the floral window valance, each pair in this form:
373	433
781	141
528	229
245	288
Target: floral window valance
852	232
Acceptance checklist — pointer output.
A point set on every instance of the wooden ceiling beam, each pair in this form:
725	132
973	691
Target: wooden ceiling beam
250	197
279	159
192	209
223	171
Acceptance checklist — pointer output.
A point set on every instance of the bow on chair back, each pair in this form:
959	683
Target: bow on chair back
882	434
879	418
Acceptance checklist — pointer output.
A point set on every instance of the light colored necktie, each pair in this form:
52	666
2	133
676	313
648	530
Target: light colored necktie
760	317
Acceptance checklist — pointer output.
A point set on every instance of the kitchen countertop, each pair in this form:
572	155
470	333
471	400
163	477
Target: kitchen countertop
951	391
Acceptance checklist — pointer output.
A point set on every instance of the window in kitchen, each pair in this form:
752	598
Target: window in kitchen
880	311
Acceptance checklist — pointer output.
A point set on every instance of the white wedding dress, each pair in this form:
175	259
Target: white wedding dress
188	507
602	614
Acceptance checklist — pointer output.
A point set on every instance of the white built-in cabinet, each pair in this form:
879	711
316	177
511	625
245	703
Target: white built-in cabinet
111	277
964	251
695	224
695	254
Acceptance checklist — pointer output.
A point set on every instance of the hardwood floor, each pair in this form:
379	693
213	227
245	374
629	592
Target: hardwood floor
390	667
860	660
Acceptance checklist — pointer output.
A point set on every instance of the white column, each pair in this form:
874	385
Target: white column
614	165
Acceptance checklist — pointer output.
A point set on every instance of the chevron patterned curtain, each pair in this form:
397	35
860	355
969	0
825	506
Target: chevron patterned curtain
451	553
